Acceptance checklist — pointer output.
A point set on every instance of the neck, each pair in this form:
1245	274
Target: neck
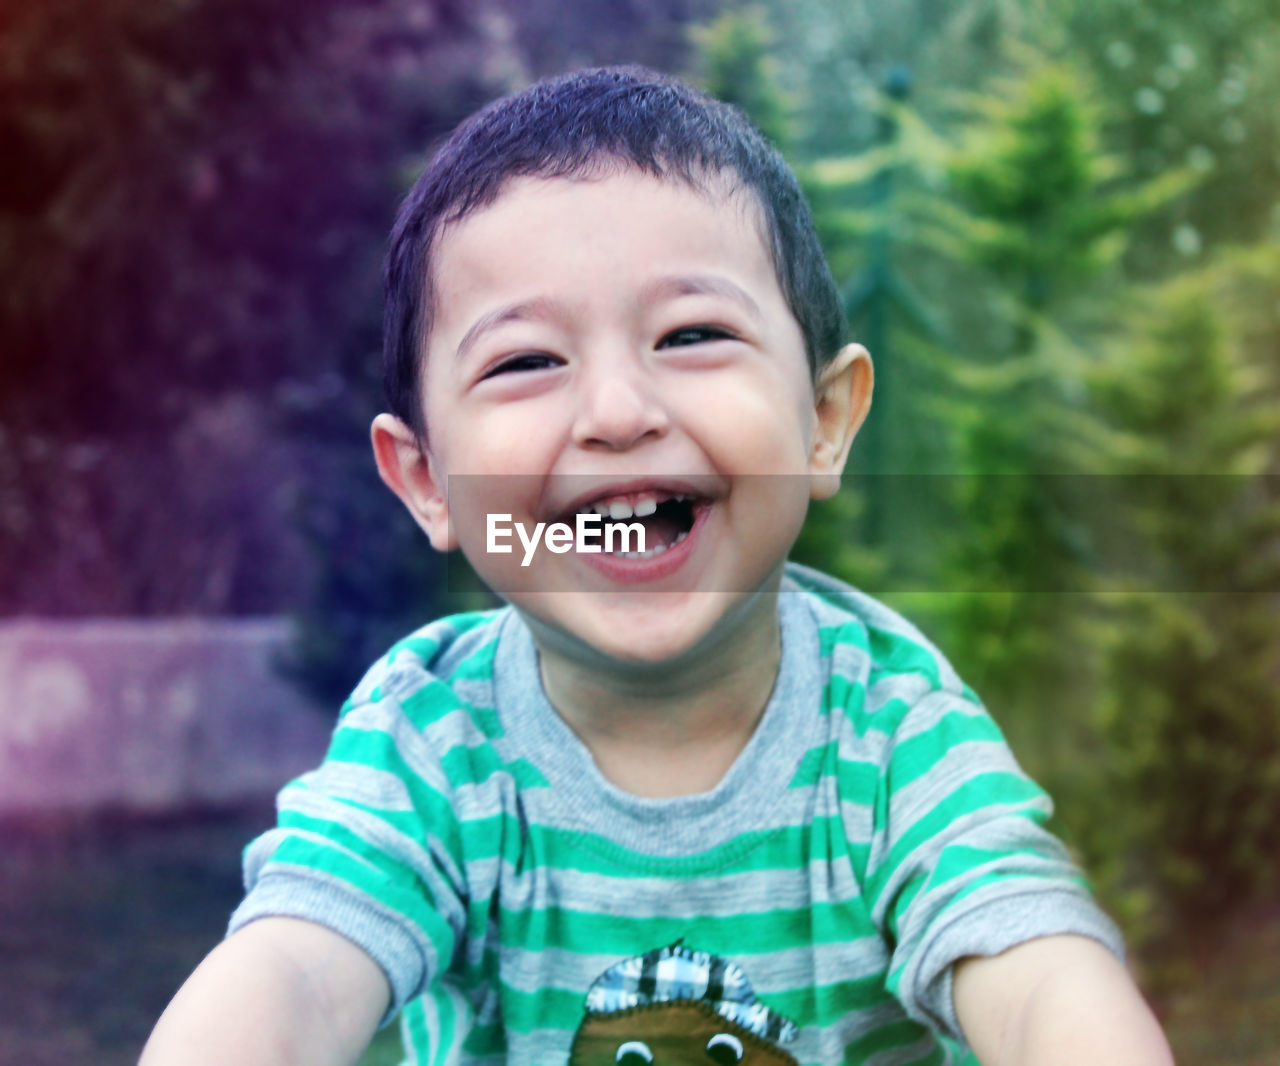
675	727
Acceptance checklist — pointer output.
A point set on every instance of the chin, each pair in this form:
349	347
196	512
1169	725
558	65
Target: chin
651	631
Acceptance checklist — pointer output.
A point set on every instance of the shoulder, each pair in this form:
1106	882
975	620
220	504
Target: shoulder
430	695
454	651
872	646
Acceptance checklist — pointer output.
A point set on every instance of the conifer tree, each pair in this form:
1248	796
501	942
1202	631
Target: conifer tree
1192	705
1042	214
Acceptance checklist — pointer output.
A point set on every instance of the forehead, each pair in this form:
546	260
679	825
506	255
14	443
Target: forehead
600	235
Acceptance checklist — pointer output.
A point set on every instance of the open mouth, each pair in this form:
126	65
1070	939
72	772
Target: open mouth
665	518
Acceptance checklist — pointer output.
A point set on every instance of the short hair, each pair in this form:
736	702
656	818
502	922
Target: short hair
574	126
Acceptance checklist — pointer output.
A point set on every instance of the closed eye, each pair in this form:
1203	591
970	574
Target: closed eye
686	335
519	364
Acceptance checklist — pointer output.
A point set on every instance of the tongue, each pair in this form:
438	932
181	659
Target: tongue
659	530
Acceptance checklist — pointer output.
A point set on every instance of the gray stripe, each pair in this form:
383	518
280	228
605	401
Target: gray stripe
918	798
388	717
922	858
746	893
850	661
539	1047
909	1054
905	688
361	784
932	709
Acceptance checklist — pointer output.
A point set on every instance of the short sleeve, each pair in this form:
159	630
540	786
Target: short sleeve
960	861
368	845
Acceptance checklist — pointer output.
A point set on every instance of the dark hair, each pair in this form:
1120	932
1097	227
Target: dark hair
573	126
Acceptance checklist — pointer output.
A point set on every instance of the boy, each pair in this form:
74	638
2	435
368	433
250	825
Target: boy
653	811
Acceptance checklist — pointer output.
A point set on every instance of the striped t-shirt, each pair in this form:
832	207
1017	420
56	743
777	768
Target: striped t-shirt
875	830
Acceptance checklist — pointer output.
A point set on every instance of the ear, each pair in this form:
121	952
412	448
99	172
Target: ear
842	399
410	472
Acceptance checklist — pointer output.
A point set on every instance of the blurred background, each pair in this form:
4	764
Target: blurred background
1056	224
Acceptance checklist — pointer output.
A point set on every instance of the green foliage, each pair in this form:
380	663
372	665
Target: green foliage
1192	707
1186	86
738	68
1045	210
191	233
1030	179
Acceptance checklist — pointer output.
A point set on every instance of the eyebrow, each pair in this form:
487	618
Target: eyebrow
537	309
700	285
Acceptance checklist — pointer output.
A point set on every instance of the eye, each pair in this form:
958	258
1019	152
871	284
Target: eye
633	1053
724	1049
523	363
686	335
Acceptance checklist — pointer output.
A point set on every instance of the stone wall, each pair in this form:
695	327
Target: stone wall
148	715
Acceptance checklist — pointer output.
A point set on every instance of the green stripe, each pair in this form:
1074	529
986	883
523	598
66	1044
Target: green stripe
824	1005
892	653
991	789
844	693
814	766
378	751
959	859
421	647
405	895
585	932
848	633
432	702
485	1040
917	755
552	1008
859	780
884	720
478	666
413	1027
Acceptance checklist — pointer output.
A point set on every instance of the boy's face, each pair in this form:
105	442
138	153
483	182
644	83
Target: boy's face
622	340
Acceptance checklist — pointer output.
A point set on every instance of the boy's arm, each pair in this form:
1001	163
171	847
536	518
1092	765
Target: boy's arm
1058	999
280	991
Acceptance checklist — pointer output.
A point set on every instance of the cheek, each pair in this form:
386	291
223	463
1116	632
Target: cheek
762	430
472	439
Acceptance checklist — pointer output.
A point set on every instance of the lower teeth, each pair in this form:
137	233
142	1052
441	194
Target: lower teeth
657	549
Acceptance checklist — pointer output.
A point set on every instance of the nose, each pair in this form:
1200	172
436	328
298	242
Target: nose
618	409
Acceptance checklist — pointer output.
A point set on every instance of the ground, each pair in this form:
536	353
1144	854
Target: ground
101	919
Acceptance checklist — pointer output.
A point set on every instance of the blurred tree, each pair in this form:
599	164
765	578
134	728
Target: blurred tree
1044	212
738	66
190	235
1185	85
1192	710
546	37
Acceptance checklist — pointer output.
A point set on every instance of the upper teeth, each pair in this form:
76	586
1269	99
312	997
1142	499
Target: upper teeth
619	508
